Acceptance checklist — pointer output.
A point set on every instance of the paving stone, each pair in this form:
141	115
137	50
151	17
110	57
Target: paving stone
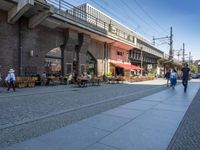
171	107
74	137
123	112
127	128
140	105
104	122
32	112
99	146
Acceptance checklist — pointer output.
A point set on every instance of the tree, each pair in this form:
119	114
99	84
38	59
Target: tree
194	69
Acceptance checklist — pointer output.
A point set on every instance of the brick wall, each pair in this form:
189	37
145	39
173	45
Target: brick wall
8	45
41	40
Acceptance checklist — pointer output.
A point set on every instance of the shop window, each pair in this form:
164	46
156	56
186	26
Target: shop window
82	68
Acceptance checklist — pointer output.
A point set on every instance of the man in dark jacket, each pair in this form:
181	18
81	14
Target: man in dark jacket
167	76
185	76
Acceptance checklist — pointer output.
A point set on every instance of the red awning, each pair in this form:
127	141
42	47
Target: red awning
127	66
139	68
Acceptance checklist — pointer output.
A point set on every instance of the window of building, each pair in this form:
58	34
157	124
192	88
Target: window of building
119	53
69	68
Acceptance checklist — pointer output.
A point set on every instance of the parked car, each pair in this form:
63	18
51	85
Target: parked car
194	75
198	75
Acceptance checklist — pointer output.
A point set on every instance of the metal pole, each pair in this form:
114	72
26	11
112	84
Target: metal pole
59	5
171	44
20	49
141	60
189	60
153	40
178	55
183	52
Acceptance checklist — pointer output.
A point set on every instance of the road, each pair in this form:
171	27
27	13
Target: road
32	112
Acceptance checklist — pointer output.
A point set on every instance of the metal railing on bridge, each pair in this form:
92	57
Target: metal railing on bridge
69	11
81	16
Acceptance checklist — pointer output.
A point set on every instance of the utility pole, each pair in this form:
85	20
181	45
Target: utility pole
171	44
179	54
141	63
189	60
183	52
171	53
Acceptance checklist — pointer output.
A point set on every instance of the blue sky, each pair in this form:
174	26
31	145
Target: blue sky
155	17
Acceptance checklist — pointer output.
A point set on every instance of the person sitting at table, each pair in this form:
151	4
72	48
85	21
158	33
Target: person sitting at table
70	78
74	75
84	75
89	76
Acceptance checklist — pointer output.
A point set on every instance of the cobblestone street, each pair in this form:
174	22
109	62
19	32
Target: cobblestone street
187	136
141	110
35	111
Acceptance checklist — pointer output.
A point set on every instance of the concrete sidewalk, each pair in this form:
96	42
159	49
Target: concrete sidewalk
146	124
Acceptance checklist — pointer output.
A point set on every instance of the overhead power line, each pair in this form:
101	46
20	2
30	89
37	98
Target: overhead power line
111	13
129	17
117	17
135	14
147	14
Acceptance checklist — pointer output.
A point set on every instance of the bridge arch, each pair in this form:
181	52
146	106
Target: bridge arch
53	62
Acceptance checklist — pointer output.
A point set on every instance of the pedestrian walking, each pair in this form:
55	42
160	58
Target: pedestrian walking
43	79
167	76
173	78
185	76
10	79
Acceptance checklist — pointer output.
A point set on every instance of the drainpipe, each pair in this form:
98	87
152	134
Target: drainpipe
20	47
77	51
105	52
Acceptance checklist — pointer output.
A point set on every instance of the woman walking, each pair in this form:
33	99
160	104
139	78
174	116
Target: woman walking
173	78
11	79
